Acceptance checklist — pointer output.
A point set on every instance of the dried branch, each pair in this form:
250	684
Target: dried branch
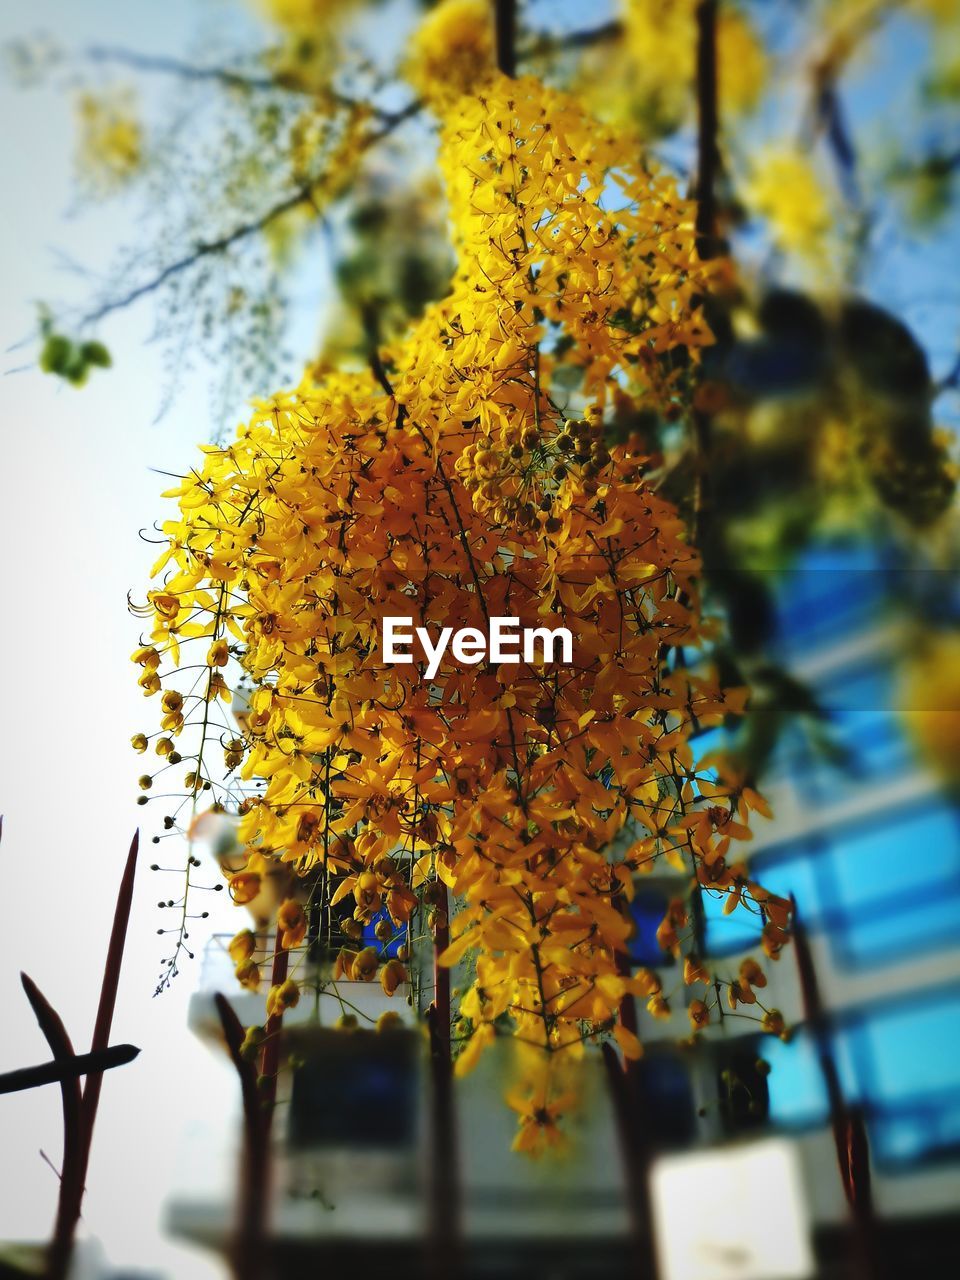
252	1205
634	1155
204	249
71	1176
108	996
270	1054
444	1180
117	1055
849	1131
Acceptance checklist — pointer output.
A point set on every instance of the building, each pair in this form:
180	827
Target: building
869	844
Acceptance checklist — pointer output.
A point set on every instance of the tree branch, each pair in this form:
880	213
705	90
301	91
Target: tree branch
255	1168
203	250
208	248
586	38
505	21
707	128
71	1178
108	998
245	81
117	1055
185	70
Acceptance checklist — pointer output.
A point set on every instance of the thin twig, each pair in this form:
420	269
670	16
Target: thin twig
187	71
208	248
230	79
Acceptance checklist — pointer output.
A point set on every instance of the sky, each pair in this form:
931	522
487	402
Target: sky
76	485
78	479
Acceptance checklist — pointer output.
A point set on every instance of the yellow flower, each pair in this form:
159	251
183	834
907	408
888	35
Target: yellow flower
242	946
389	1021
305	16
698	1014
282	997
629	1044
483	801
248	974
751	974
252	1042
365	965
930	702
694	970
773	1023
392	975
783	187
469	1055
540	1100
244	886
292	922
660	38
219	654
739	993
658	1007
451	52
110	141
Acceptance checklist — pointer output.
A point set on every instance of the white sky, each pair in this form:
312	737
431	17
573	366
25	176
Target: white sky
75	487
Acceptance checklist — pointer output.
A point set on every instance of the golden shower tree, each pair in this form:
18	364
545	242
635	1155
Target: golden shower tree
477	468
551	388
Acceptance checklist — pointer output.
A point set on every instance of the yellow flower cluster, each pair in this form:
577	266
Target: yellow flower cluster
110	139
783	188
430	487
930	703
451	52
661	42
305	16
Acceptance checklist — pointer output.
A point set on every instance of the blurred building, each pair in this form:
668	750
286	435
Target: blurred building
745	1178
868	842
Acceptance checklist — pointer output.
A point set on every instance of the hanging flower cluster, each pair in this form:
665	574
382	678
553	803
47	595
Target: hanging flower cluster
456	482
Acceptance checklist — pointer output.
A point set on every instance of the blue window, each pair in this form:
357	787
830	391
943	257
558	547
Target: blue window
892	887
370	939
877	891
832	591
900	1062
790	870
647	909
861	703
907	1062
